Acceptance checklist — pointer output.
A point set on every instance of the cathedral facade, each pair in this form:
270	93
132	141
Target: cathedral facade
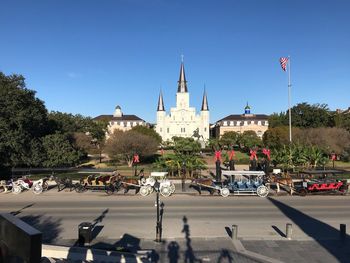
183	121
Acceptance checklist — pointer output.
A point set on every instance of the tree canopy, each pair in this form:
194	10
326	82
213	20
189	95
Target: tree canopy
60	151
23	120
147	131
125	144
304	115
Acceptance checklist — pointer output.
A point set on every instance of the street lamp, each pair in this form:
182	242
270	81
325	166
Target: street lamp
183	176
158	224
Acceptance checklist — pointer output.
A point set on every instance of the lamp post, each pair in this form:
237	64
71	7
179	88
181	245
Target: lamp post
183	176
158	224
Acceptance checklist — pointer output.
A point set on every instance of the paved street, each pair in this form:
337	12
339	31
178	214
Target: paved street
184	216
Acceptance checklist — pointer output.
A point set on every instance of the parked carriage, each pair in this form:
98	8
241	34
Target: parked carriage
245	183
237	183
25	183
147	185
5	186
322	186
107	183
64	183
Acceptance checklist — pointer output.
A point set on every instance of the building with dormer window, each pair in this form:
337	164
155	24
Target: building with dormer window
120	121
241	123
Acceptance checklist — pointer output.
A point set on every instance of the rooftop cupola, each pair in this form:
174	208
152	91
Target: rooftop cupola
118	112
247	109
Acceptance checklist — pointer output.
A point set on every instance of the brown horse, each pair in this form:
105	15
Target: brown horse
282	181
129	183
203	184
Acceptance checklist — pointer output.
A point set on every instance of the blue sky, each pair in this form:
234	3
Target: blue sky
89	56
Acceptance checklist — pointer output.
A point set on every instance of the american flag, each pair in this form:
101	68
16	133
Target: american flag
283	62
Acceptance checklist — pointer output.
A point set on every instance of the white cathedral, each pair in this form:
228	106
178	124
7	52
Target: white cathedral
183	120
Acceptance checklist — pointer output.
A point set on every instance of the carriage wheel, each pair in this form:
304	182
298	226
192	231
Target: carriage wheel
150	189
172	187
110	189
60	186
45	186
343	189
37	188
303	192
151	181
79	188
165	191
16	189
117	186
262	191
144	191
143	181
225	192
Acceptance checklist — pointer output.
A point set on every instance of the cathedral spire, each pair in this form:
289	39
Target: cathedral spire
160	102
182	83
205	106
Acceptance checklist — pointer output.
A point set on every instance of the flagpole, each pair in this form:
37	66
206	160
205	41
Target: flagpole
289	99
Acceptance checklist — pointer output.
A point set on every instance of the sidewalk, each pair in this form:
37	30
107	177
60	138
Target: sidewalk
221	250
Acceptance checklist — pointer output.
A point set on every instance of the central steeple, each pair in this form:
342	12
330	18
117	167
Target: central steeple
182	83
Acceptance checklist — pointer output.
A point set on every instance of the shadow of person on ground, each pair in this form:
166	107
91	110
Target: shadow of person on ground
127	247
189	255
20	210
318	230
225	256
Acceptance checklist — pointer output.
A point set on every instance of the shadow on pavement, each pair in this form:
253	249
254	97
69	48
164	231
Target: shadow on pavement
50	227
225	256
279	231
228	231
189	255
20	210
316	229
126	247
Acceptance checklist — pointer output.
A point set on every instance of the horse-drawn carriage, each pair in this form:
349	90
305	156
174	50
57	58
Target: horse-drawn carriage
64	183
147	185
322	186
24	183
246	183
236	182
107	183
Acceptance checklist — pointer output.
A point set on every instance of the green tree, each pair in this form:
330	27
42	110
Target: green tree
276	120
342	120
329	139
186	146
126	144
249	139
69	123
60	151
147	131
229	139
279	136
23	120
311	116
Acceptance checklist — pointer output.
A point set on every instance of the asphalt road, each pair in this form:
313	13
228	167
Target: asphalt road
59	214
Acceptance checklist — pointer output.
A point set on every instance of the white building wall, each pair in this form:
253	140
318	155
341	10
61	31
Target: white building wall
182	120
